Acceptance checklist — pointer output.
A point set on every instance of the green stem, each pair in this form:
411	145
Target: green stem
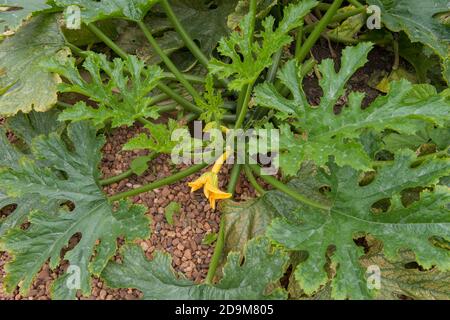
234	178
167	108
217	254
396	53
124	175
298	40
180	77
251	178
314	36
117	178
190	44
218	249
189	77
75	49
187	105
244	109
284	188
336	18
160	183
107	40
355	3
272	72
145	121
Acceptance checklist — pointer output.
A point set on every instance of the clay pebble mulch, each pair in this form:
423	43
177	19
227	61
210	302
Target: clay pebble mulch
182	240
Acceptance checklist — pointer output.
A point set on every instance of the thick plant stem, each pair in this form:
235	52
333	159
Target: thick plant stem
355	3
168	62
187	105
251	178
217	254
234	178
160	183
314	36
336	18
272	72
244	108
284	188
189	77
299	40
190	44
107	40
117	178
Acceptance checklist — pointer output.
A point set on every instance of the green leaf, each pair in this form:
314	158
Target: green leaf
204	22
27	127
212	104
263	8
422	26
140	164
24	85
121	99
92	11
371	208
248	57
13	13
9	157
159	140
49	233
406	109
397	280
209	238
262	267
171	209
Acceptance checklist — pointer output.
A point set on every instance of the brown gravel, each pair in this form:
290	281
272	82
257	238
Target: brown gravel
183	240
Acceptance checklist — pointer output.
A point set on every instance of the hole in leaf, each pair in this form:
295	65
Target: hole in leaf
367	178
324	189
414	265
381	206
6	211
69	205
362	242
410	195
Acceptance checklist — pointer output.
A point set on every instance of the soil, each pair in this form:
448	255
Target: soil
183	240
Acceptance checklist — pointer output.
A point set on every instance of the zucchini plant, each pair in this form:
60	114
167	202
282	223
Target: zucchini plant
361	182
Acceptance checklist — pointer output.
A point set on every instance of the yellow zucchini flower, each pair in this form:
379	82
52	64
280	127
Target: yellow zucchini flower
210	183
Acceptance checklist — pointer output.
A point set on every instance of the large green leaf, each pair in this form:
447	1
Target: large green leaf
401	278
24	85
13	13
26	127
369	208
406	109
71	176
417	19
92	10
262	266
121	99
249	58
244	221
